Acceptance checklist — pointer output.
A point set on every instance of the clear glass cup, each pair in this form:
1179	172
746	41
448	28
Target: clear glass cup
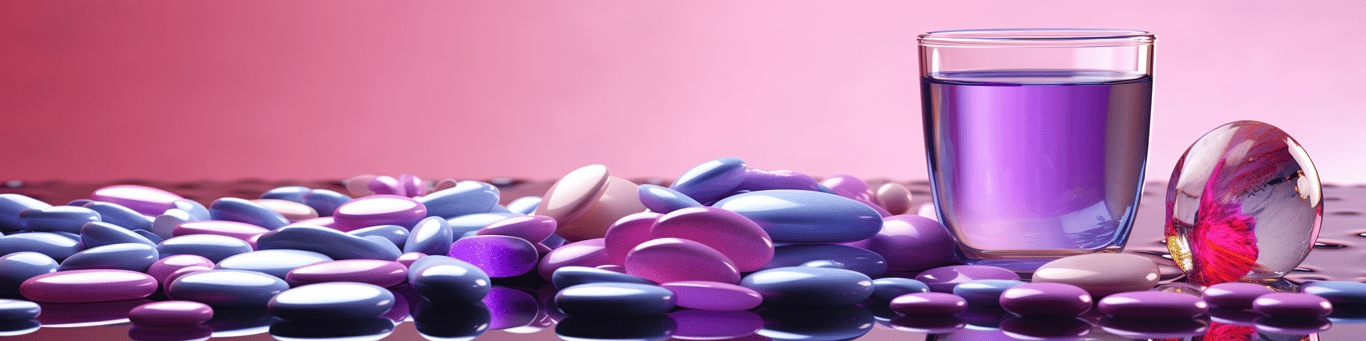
1036	139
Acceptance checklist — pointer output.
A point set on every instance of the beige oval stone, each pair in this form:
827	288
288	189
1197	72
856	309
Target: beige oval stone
894	198
444	184
574	193
620	198
1101	274
291	210
359	185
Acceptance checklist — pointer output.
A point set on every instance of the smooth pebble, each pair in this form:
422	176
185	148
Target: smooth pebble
227	288
1234	295
227	228
95	234
448	280
372	271
1045	300
617	200
664	200
85	286
213	247
143	199
10	206
122	216
704	295
894	198
943	279
57	218
17	267
291	193
985	292
659	260
614	300
929	304
711	180
911	243
18	310
332	301
125	256
1286	304
887	288
47	243
524	205
1340	293
809	287
1101	274
498	256
590	253
292	211
574	193
849	257
325	201
246	211
806	217
381	209
276	263
330	242
533	228
467	197
470	224
163	267
742	241
171	313
628	232
432	235
759	180
568	276
393	233
1152	305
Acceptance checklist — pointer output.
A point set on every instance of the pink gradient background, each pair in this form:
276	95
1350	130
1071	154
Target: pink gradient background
182	90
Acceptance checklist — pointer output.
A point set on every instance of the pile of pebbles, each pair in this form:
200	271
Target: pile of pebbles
723	237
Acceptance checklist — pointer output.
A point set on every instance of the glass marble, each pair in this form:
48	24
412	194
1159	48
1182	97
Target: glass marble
1244	201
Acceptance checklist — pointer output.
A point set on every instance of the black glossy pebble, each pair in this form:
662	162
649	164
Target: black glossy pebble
18	310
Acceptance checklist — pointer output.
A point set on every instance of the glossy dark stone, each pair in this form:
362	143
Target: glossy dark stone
1044	300
84	286
57	218
245	211
711	180
568	276
17	328
394	233
448	280
332	301
886	289
1045	328
809	287
984	292
467	197
1234	295
943	279
18	310
227	288
211	246
929	304
606	299
46	243
852	258
291	193
524	205
329	242
325	201
1152	305
95	234
470	224
1339	293
10	206
643	328
797	216
911	243
15	268
125	256
928	324
432	236
844	323
122	216
276	263
374	328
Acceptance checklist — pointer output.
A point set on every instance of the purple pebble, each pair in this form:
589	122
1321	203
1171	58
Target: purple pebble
1152	305
1046	300
1284	304
385	184
378	210
911	243
412	185
534	228
1234	295
171	313
929	304
499	256
943	279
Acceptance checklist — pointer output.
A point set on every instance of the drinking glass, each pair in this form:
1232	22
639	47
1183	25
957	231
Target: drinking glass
1036	139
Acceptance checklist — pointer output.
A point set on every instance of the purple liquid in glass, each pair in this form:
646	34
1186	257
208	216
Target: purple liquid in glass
1033	165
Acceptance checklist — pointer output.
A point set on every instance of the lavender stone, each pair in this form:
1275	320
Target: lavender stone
929	304
17	267
1292	305
797	216
1152	305
371	271
568	276
57	218
759	180
1340	293
96	234
1045	300
943	279
714	296
1234	295
332	301
46	243
985	292
246	211
325	201
448	280
664	200
393	233
886	289
533	228
711	180
291	193
276	263
126	256
211	246
467	197
524	205
498	256
329	242
379	210
227	288
122	216
11	205
143	199
432	236
809	287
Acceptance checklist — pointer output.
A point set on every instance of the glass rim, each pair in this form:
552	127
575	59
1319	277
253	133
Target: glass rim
1036	37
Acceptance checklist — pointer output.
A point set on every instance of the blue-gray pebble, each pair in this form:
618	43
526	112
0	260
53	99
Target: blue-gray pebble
614	300
95	234
153	237
125	256
194	208
276	263
568	276
798	216
885	289
15	268
57	218
448	280
245	211
79	202
852	258
164	225
432	236
500	209
467	197
661	199
393	233
68	235
711	180
227	288
524	205
332	301
18	310
122	216
470	223
984	292
10	206
51	244
290	193
332	243
1339	293
325	201
211	246
801	286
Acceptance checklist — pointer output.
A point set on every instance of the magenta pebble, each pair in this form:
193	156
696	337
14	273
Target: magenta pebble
378	210
742	241
1234	295
628	232
164	267
1046	300
590	253
407	259
370	271
667	260
911	243
386	185
1284	304
146	200
943	279
499	256
533	228
91	285
1152	305
171	313
929	304
704	295
413	186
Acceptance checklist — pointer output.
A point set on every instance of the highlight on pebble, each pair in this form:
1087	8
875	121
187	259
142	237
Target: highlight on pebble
1036	139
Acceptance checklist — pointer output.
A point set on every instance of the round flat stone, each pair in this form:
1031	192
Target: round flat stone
809	287
467	197
929	304
498	256
96	233
126	256
943	279
291	210
532	228
143	199
448	280
332	301
590	253
887	288
1152	305
84	286
213	247
1286	304
193	208
574	193
628	232
165	223
984	292
325	201
1234	295
911	243
171	313
276	263
1045	300
378	210
50	244
57	218
1340	293
614	300
432	235
1101	274
659	259
664	200
797	216
118	215
330	242
246	211
291	193
394	233
18	310
618	200
163	267
848	257
711	180
233	229
568	276
227	288
371	271
703	295
739	239
15	268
